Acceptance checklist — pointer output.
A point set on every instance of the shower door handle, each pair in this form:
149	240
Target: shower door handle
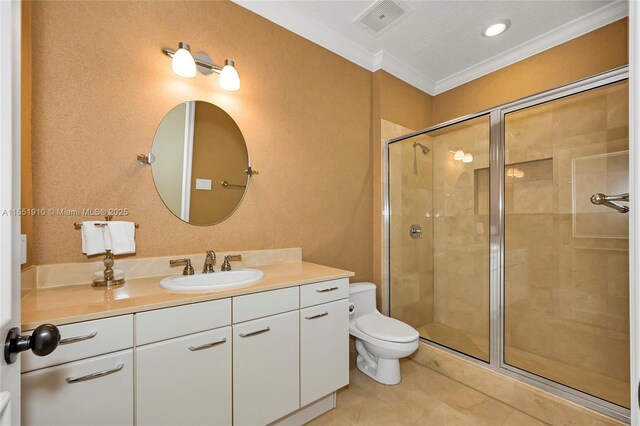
610	201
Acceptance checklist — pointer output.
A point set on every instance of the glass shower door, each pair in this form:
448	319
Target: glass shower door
439	235
566	280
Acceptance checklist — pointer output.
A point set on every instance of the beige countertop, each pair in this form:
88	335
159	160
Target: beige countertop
69	304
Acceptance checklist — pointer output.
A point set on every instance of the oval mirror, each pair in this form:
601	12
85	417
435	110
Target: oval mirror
200	163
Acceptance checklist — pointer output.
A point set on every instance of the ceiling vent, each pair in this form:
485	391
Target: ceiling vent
381	16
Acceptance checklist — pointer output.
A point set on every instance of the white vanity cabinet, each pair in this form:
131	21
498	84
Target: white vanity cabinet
324	349
186	380
266	357
324	338
255	359
183	365
77	386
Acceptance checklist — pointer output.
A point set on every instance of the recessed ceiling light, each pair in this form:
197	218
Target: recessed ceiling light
496	28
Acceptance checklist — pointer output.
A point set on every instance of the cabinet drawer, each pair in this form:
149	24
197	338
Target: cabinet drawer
323	292
162	324
266	375
84	340
263	304
324	350
101	395
186	380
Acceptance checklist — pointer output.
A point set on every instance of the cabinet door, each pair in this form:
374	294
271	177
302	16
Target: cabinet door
324	350
266	369
94	391
186	380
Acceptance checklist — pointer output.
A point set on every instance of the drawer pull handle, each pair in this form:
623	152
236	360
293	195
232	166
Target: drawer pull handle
324	290
77	339
72	380
324	314
255	333
207	345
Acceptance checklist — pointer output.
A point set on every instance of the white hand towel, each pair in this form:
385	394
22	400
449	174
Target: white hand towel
122	236
93	238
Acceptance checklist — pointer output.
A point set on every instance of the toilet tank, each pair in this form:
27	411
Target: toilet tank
363	297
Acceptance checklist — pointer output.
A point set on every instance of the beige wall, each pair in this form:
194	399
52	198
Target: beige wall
601	50
101	85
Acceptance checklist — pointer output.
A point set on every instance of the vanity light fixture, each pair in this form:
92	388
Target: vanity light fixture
186	65
496	28
183	63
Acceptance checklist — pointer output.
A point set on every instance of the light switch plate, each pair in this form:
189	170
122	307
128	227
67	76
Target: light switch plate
204	184
23	249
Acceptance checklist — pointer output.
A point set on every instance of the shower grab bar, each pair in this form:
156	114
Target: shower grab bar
600	199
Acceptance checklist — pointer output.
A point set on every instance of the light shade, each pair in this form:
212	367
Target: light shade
496	28
458	155
229	78
468	158
183	63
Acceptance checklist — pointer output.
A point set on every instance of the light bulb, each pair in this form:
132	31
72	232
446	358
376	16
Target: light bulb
229	78
459	155
467	158
183	63
518	173
510	172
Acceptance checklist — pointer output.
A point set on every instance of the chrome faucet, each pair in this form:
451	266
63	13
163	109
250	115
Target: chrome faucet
226	266
208	262
188	269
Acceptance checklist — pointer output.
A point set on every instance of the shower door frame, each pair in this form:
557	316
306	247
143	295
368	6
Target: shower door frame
496	238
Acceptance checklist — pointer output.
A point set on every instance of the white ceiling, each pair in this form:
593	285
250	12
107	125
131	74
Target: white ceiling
439	44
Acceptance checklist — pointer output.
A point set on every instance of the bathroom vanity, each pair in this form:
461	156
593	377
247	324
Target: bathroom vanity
271	352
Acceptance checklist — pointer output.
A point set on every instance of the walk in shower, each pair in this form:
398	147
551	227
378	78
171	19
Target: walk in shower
500	249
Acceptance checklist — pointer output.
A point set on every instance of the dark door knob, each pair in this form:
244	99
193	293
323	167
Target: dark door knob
42	342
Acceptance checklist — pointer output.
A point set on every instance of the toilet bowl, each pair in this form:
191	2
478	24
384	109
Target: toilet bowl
380	341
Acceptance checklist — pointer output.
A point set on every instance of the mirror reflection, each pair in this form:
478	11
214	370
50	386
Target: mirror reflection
200	163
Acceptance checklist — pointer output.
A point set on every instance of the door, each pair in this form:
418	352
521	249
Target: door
566	277
634	132
324	350
439	235
266	383
195	385
9	198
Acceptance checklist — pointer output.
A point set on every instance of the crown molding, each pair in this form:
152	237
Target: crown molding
318	33
314	31
399	69
572	29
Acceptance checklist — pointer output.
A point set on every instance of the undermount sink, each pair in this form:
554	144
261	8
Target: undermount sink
211	282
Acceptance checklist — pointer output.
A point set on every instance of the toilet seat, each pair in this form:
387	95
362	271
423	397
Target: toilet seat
384	328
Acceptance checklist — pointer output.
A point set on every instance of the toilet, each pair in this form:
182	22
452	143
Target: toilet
380	341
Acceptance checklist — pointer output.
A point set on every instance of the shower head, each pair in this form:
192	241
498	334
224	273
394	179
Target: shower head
425	149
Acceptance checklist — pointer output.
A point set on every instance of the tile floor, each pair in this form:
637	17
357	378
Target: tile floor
608	388
424	397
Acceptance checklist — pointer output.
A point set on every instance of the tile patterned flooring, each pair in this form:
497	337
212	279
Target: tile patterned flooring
424	397
608	388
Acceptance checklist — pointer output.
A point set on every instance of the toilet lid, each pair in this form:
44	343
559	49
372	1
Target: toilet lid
385	328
